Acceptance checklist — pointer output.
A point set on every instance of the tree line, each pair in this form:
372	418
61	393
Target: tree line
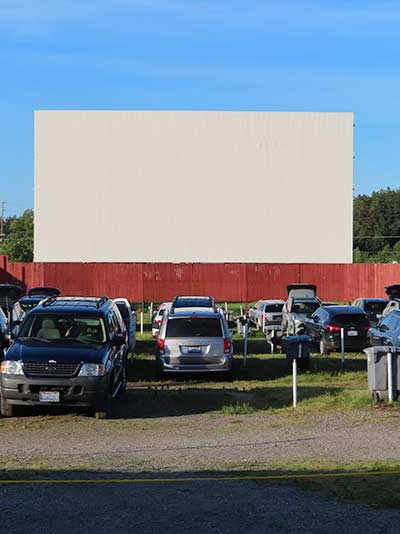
376	220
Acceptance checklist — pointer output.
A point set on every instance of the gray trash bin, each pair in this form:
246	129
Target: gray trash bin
291	346
378	373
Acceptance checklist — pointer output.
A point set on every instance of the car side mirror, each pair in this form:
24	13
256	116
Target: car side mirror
7	340
156	326
383	328
117	340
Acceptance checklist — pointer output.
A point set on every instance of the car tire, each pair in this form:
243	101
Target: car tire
122	388
322	347
7	409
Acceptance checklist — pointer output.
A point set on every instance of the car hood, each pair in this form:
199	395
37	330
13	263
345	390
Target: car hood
393	291
62	353
301	290
11	291
43	292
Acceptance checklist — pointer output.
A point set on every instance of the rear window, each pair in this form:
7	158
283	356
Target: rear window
377	307
350	319
305	307
273	308
194	327
193	303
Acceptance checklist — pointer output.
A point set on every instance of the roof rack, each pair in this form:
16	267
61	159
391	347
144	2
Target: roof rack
101	301
49	300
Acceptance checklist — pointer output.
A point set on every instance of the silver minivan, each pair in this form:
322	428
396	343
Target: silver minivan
193	341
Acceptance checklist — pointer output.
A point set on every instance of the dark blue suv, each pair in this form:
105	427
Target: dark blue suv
69	351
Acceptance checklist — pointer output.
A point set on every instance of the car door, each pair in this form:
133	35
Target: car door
117	353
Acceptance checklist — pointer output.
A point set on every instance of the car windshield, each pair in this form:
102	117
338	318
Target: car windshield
375	307
305	307
194	327
63	327
197	302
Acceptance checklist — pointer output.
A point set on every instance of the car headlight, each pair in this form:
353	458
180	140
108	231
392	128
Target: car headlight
11	367
92	369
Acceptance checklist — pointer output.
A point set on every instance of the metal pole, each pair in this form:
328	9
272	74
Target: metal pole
151	311
342	343
241	310
226	307
294	382
141	321
390	377
246	335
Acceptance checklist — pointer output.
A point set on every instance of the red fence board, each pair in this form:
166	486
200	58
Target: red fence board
225	281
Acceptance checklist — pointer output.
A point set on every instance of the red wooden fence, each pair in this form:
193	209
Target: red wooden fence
245	282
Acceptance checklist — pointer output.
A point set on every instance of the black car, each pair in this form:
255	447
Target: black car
372	307
387	332
36	295
69	351
326	324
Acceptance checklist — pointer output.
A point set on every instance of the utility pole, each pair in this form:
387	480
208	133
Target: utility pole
2	234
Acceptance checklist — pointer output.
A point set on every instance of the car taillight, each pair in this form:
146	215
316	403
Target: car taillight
227	345
332	328
161	344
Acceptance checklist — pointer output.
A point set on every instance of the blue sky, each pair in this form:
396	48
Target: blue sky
293	55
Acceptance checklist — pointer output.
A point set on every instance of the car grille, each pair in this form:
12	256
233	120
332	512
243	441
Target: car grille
50	369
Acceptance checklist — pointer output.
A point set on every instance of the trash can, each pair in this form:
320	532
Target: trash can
297	347
378	371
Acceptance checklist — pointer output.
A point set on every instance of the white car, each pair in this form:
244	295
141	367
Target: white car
158	317
266	313
129	318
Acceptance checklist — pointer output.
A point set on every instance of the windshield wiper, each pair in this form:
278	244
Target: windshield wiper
33	338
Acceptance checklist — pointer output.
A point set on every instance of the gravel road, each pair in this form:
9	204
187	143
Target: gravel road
202	441
201	507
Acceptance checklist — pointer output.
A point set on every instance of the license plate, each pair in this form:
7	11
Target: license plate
49	396
352	333
195	350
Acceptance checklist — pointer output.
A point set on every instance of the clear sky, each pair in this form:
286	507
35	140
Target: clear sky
269	55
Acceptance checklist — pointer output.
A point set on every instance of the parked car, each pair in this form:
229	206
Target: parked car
324	328
36	295
194	341
372	307
393	292
70	351
193	301
158	317
266	313
4	333
301	304
129	318
9	303
387	331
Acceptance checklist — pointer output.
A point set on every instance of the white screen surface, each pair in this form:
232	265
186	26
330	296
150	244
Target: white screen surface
177	186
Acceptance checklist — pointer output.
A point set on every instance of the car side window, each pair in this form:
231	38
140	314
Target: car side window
112	323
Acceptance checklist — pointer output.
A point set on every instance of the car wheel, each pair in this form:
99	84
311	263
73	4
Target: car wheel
322	347
7	409
103	410
123	381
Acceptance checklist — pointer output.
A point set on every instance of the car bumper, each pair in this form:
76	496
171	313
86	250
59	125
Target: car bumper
177	365
334	344
79	391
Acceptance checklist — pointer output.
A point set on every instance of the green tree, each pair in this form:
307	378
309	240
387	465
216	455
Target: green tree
18	245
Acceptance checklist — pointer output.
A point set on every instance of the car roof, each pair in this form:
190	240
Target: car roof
372	299
81	305
272	301
194	312
333	310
